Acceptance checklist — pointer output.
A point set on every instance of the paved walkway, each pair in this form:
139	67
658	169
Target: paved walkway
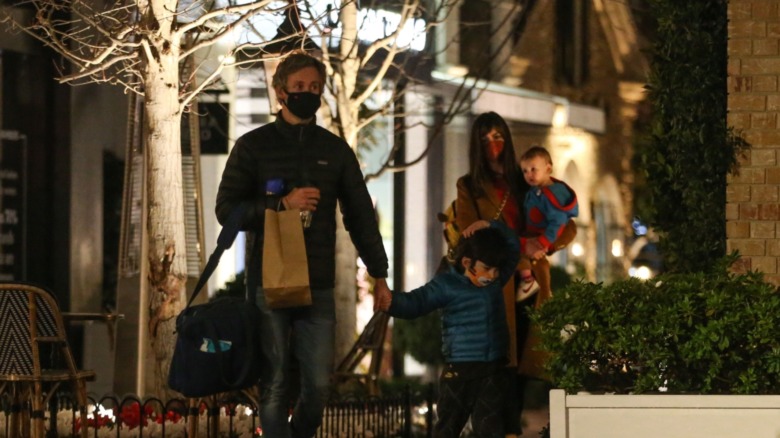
534	420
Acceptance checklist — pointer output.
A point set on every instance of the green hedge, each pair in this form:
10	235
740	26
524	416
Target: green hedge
691	150
711	332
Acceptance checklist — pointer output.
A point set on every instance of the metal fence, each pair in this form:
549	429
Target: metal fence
408	414
405	415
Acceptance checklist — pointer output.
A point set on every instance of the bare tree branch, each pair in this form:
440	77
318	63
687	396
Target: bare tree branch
390	44
457	105
244	12
407	12
114	43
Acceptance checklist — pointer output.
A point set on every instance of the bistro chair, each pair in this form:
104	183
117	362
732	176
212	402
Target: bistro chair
371	341
31	329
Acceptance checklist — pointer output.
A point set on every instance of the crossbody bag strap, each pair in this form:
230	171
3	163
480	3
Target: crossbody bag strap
500	207
503	204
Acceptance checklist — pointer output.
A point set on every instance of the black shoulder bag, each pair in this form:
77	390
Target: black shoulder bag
217	344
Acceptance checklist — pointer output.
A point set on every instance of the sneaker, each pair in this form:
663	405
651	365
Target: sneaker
527	289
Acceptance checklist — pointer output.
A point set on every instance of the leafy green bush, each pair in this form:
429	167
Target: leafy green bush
711	332
691	149
420	337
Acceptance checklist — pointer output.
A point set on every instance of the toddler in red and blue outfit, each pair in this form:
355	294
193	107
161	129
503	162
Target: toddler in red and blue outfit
548	206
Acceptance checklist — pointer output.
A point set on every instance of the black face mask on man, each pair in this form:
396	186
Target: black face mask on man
303	104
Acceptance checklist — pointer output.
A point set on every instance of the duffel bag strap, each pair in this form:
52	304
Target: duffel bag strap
225	240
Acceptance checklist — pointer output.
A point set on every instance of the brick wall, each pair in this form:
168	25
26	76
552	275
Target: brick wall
754	103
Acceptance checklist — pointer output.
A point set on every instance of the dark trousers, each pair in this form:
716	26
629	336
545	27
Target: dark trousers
513	402
471	392
517	383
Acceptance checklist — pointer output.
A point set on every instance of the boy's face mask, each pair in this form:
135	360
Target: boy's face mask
481	275
483	281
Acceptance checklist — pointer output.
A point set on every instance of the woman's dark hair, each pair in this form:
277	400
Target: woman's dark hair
479	168
487	245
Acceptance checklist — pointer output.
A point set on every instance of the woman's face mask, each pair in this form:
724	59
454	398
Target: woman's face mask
493	142
493	149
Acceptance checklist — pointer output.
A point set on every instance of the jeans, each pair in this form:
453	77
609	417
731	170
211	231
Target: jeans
308	335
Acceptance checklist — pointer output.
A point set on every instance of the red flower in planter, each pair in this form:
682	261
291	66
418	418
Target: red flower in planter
132	416
95	422
171	416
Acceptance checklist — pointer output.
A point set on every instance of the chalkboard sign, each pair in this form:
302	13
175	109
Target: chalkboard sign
13	147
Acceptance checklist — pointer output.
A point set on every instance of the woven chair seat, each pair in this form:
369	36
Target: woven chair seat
49	376
31	326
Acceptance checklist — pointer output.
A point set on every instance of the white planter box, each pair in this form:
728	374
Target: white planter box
664	416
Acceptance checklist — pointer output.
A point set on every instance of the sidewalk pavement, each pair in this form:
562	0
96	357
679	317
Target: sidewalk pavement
534	420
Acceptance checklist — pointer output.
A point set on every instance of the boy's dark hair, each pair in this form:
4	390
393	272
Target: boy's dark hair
487	245
294	62
536	151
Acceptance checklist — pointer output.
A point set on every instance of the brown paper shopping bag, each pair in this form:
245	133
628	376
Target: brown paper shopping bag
285	268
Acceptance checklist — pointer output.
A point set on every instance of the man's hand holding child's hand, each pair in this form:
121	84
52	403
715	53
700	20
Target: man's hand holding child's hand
382	296
478	225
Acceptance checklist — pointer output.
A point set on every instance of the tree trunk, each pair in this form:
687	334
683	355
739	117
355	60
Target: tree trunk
345	292
346	260
165	219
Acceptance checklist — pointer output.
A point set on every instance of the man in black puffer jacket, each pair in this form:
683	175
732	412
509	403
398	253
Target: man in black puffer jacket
294	164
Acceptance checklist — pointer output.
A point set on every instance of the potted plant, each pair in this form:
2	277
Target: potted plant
709	341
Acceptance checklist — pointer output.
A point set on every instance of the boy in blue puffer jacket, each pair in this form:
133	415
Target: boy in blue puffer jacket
475	335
